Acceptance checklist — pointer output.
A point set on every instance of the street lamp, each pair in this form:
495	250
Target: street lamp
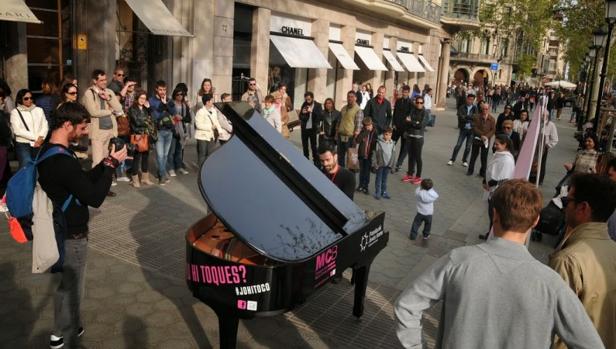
610	18
593	54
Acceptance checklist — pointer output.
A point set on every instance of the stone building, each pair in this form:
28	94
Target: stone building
321	46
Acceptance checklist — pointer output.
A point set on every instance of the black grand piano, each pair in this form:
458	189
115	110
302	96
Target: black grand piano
278	228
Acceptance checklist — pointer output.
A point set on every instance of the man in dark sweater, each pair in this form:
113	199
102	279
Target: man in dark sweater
379	109
342	178
402	109
62	177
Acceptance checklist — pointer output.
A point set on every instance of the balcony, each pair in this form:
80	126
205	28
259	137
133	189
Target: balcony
421	8
480	58
461	14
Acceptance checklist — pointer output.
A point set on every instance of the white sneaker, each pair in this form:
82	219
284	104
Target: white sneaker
465	164
114	183
450	163
183	171
172	173
123	179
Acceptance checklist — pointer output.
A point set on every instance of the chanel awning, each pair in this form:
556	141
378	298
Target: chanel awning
16	11
370	58
393	62
425	63
410	62
157	17
343	56
300	52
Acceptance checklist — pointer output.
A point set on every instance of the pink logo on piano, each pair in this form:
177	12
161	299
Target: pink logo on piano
241	304
326	263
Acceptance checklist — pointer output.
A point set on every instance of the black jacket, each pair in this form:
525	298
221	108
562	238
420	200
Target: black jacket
329	123
380	114
366	140
464	117
317	112
138	119
417	124
499	121
402	109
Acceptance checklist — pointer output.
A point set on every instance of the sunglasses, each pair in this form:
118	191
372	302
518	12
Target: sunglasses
71	93
27	98
251	84
419	102
506	128
119	74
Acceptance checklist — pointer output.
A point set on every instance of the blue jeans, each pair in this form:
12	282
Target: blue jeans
24	153
176	155
464	135
420	218
364	172
380	185
162	151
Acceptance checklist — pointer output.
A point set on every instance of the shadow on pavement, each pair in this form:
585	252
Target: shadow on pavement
132	323
16	313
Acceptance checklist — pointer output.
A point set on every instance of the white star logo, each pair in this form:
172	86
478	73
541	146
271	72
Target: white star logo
364	241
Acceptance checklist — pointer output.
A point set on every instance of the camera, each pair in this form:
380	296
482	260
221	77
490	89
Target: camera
120	143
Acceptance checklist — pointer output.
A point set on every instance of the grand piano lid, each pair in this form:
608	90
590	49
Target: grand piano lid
273	198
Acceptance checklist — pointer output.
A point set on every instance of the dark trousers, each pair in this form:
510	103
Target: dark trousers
403	152
463	136
205	149
476	148
140	160
380	185
414	147
175	158
420	218
544	160
310	135
364	172
343	147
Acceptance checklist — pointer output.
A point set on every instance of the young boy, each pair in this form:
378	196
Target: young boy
425	196
367	142
385	150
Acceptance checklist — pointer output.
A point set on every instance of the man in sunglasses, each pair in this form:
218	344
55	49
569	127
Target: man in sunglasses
586	259
117	84
253	95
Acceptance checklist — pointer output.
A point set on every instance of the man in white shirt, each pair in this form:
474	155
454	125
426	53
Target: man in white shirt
551	139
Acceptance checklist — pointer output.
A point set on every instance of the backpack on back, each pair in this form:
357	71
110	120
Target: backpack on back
20	193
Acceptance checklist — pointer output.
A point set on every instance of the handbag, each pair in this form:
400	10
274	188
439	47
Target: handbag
141	142
123	125
352	159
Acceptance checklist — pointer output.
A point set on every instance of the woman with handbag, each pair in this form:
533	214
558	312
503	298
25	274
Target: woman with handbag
139	117
207	129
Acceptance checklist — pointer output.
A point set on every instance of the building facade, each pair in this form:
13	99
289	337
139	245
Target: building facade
318	46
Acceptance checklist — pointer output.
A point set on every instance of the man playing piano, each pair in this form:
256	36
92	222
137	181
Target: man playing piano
496	294
342	178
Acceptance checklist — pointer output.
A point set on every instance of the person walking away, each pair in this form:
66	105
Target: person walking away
329	123
500	169
310	117
253	95
340	176
181	123
551	139
491	292
414	133
103	107
367	143
285	105
484	127
350	124
385	158
586	259
425	196
559	104
139	117
207	126
402	110
162	116
272	114
226	129
465	134
29	127
379	110
61	177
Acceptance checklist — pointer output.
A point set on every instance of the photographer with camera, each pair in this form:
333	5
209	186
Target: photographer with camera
162	115
61	177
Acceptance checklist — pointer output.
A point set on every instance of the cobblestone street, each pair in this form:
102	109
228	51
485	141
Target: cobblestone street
136	295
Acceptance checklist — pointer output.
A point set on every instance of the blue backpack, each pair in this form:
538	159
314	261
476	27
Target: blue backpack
20	192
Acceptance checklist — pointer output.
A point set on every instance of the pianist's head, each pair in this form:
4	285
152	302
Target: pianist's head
517	205
328	158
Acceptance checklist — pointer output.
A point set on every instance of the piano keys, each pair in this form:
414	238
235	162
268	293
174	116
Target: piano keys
278	228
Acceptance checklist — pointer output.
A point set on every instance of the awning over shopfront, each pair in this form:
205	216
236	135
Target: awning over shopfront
389	56
425	63
370	59
410	62
343	56
16	11
300	52
157	17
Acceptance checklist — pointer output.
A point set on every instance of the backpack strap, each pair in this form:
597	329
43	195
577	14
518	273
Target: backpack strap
55	150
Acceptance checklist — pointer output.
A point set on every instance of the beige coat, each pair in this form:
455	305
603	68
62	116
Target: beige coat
91	101
285	107
587	262
205	123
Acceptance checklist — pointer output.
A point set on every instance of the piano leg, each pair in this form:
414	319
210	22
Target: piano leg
361	284
227	329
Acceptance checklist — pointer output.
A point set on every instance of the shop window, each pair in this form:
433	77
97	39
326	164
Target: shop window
296	79
242	39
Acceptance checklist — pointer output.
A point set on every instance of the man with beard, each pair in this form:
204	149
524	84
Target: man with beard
342	178
72	190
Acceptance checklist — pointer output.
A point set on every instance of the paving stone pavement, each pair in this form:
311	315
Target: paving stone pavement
136	296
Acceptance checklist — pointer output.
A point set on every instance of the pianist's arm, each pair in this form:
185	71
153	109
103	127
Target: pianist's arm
424	292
